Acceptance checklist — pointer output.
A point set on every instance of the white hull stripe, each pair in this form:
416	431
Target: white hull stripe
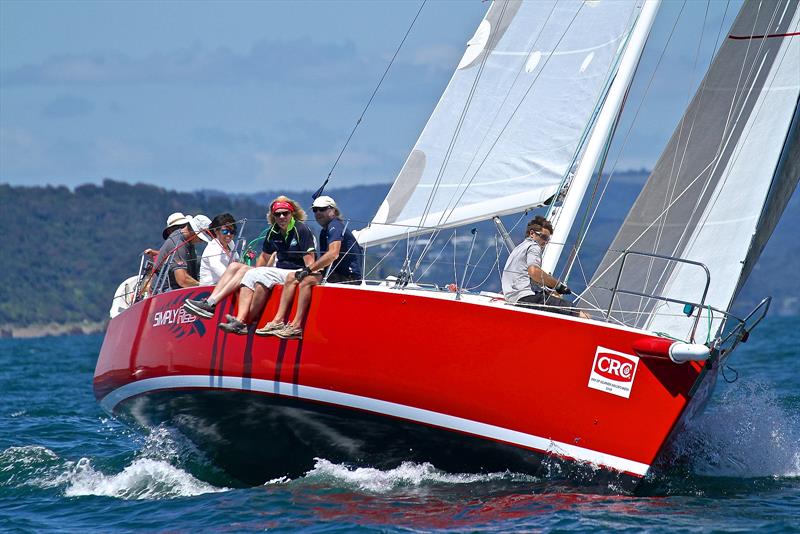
549	446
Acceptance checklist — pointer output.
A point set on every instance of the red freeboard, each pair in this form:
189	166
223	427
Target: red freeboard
564	386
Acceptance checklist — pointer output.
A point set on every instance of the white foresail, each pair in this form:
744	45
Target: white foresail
507	128
563	218
723	180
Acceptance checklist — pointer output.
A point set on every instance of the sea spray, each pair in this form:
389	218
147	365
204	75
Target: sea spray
746	433
150	474
406	475
143	479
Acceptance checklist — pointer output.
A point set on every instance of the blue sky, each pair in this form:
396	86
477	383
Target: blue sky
247	96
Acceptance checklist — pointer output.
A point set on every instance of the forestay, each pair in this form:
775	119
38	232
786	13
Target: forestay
508	127
720	186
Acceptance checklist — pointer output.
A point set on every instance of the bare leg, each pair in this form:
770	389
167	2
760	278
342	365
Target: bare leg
260	296
245	297
230	281
286	299
304	299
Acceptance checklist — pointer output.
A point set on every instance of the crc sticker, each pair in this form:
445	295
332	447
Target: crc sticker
613	372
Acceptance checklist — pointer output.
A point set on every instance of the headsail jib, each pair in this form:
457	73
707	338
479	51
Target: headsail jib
506	130
713	195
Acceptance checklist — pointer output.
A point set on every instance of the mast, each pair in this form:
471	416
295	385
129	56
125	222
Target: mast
610	108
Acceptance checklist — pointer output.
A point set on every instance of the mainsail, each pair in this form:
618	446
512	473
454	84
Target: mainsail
511	122
721	184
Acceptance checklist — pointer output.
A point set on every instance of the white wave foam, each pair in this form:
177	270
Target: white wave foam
746	434
143	479
405	475
24	456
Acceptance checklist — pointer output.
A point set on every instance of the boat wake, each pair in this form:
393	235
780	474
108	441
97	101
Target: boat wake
747	433
406	475
151	474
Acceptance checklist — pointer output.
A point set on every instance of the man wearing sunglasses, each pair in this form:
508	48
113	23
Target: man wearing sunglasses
288	246
340	251
220	252
525	283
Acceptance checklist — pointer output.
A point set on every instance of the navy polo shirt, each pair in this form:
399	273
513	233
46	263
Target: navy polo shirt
348	264
290	248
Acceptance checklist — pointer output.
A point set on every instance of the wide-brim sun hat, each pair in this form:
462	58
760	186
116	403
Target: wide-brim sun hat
175	219
199	225
323	202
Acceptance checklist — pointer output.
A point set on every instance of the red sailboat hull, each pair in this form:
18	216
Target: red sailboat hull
383	375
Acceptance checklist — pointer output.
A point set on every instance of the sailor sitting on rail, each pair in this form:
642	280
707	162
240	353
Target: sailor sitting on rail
288	246
219	253
339	249
178	254
174	222
525	283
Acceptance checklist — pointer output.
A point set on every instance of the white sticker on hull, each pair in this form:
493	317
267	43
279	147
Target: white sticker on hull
613	372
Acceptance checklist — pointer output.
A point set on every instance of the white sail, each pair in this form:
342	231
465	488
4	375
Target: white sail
724	178
563	217
507	128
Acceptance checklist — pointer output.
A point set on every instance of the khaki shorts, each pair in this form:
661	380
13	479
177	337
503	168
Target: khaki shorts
266	276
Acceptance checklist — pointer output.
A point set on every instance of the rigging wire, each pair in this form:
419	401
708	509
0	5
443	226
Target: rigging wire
489	270
446	160
436	258
513	113
382	259
737	102
319	191
626	139
448	211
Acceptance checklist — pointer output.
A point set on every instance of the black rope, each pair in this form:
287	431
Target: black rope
319	191
728	380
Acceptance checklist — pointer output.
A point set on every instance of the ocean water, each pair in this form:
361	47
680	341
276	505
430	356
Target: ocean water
65	466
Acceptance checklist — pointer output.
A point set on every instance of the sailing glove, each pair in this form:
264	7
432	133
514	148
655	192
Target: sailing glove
562	288
301	273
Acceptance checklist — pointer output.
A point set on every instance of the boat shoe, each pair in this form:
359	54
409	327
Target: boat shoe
200	308
290	332
271	328
234	327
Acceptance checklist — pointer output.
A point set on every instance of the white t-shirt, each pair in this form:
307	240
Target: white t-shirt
214	262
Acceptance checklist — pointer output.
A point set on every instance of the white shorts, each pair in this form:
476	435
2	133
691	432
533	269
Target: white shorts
266	276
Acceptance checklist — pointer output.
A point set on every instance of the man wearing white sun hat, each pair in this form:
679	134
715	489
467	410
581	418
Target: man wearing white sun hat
178	253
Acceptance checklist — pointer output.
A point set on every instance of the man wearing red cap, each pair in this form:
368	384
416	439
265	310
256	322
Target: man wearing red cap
288	246
340	251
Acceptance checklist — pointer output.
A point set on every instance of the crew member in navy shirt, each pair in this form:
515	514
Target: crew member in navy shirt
289	245
339	250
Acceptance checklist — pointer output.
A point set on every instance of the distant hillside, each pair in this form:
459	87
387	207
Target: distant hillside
68	249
